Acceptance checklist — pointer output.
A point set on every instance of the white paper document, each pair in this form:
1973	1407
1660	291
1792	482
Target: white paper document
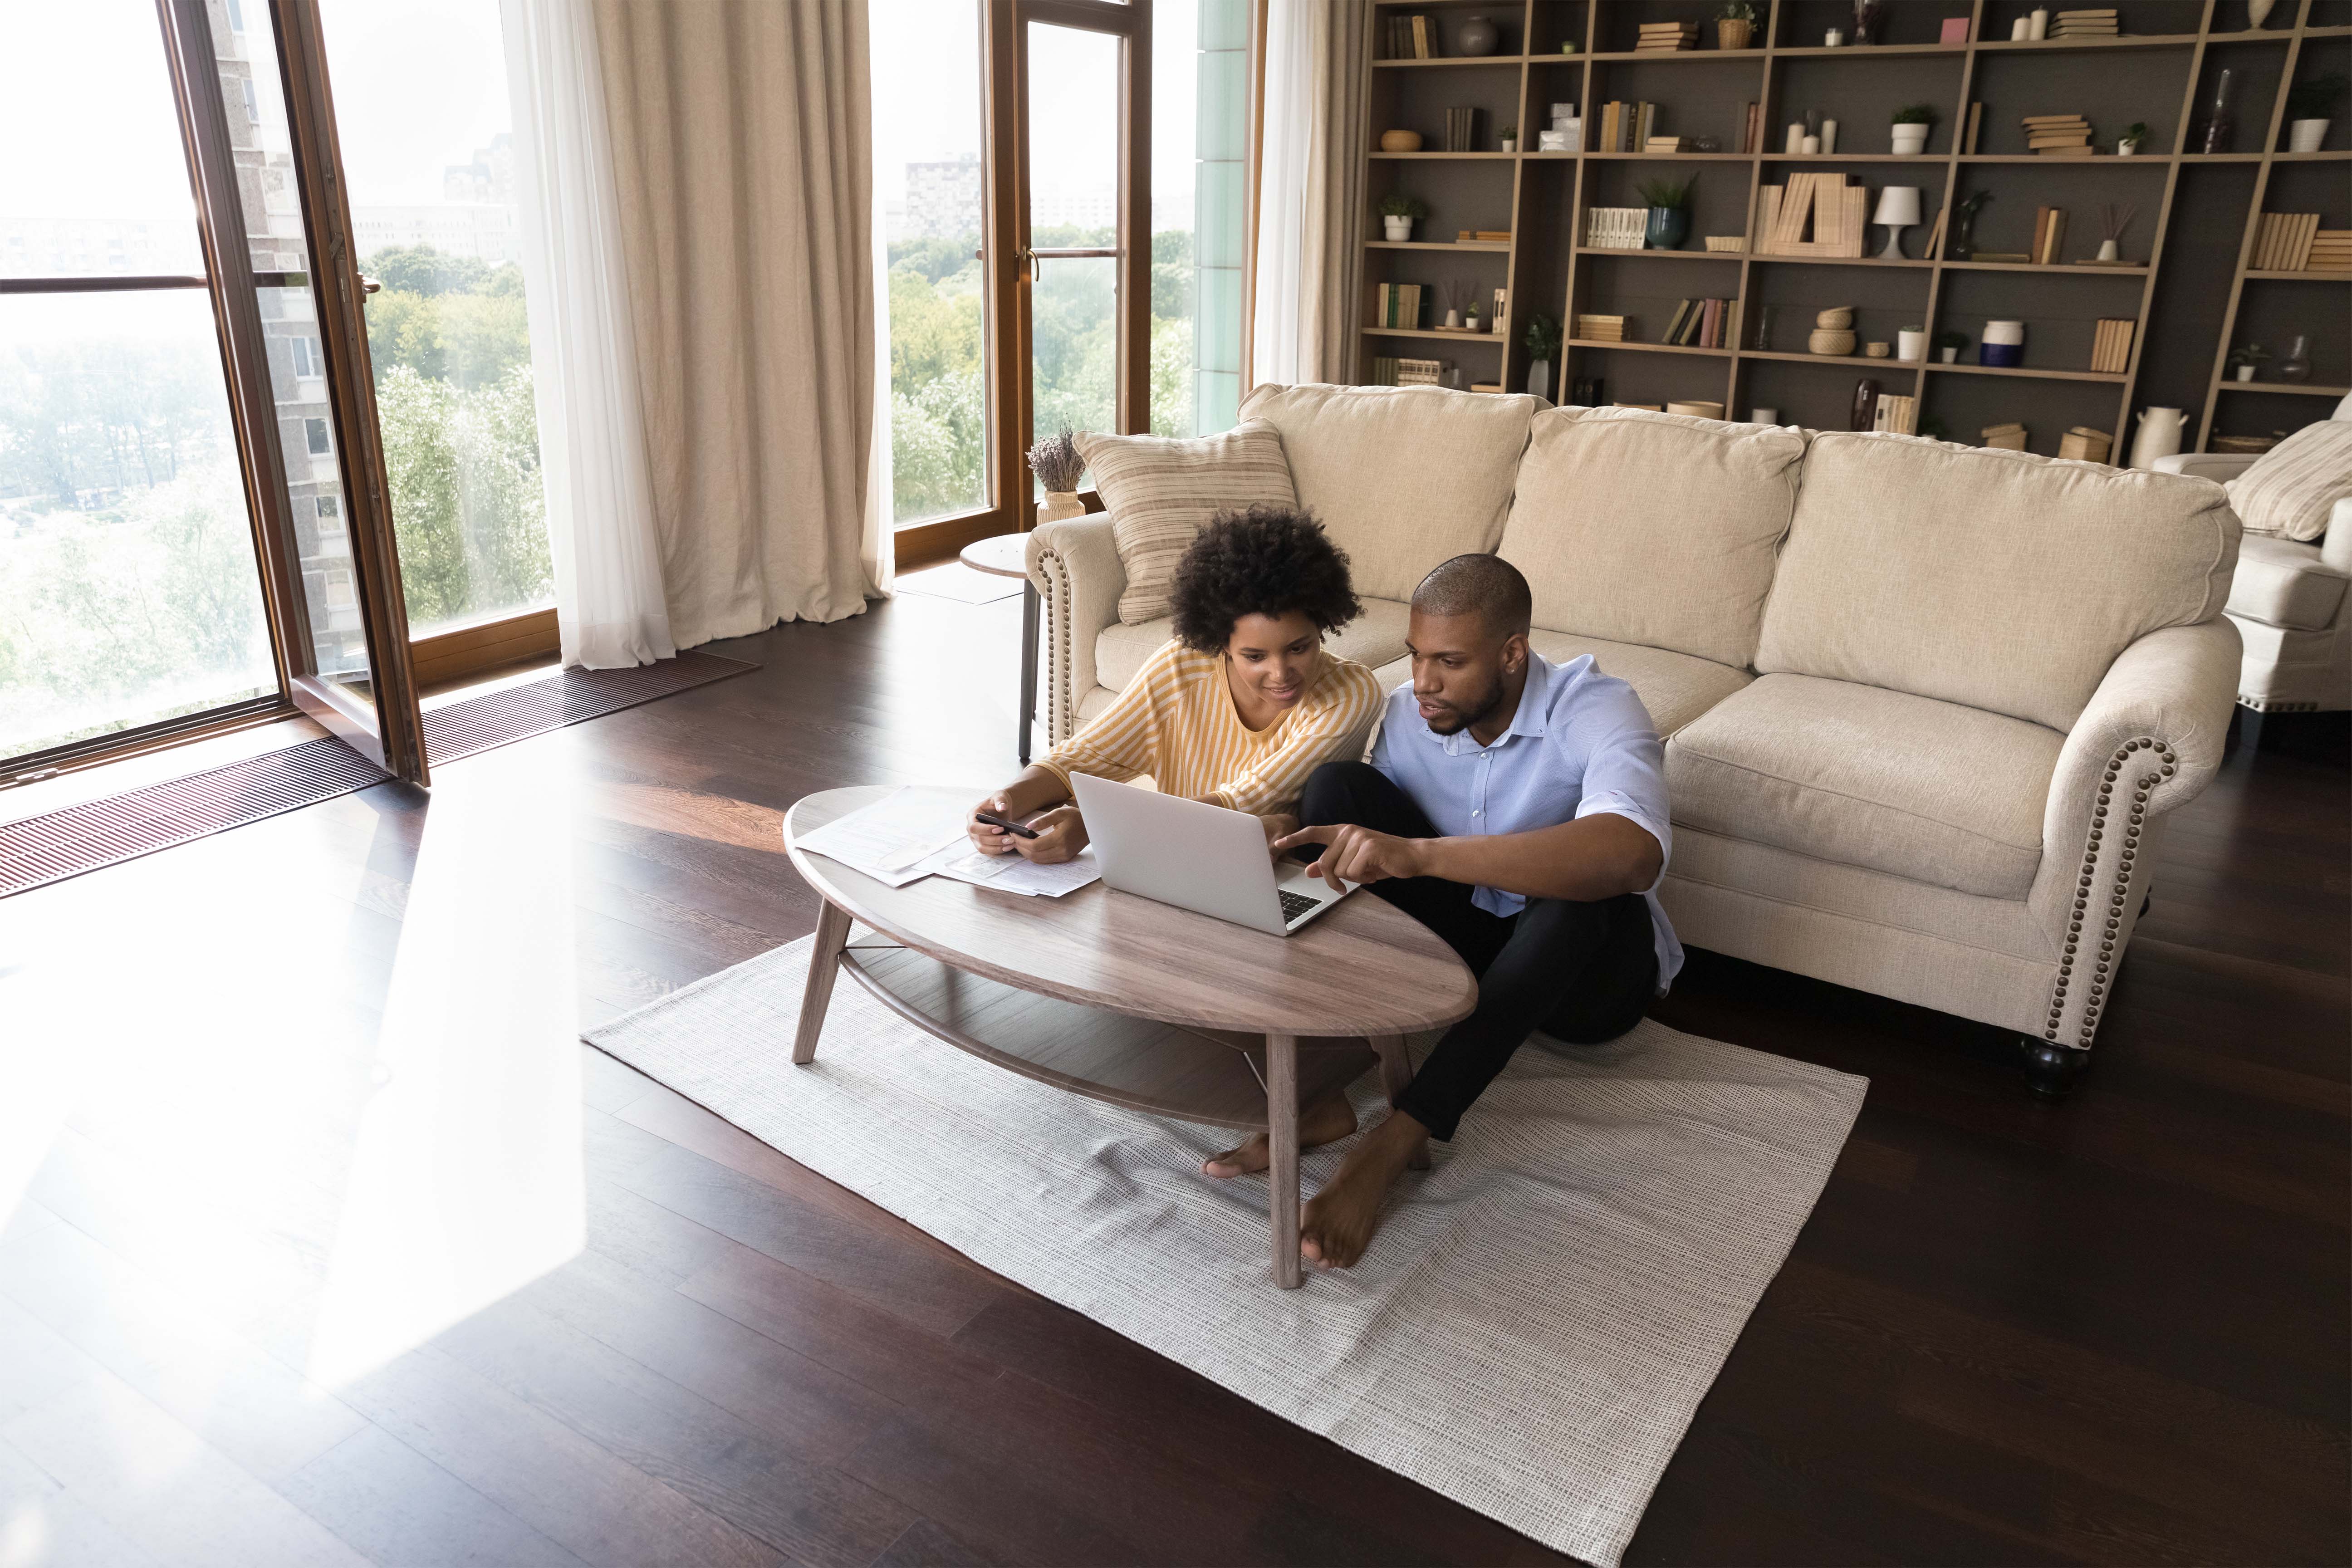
893	839
1011	874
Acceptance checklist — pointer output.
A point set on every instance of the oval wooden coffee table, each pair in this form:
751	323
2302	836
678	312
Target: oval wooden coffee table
1134	1002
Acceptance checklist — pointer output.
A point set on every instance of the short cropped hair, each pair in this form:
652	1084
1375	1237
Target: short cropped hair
1487	586
1264	559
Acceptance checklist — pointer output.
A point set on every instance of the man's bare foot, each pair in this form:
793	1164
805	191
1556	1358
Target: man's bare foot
1325	1121
1339	1220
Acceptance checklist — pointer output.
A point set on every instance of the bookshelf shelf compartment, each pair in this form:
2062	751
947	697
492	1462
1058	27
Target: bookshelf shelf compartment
1485	247
1833	362
2029	373
2291	388
2299	276
1437	334
1650	348
1614	253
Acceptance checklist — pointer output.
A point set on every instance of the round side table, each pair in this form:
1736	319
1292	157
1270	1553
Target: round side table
1002	555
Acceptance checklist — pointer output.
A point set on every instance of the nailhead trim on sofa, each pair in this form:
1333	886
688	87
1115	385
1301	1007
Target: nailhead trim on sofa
2095	992
1054	588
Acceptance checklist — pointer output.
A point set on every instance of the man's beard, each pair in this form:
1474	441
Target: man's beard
1458	719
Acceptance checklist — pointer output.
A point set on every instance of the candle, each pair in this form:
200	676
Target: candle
1834	39
2040	27
1829	135
1810	145
1796	143
2017	30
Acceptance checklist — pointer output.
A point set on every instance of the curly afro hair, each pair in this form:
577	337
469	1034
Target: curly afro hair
1263	560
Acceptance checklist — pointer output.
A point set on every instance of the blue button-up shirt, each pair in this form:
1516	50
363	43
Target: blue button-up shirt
1580	743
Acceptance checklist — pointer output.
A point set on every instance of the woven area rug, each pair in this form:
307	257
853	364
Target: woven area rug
1532	1329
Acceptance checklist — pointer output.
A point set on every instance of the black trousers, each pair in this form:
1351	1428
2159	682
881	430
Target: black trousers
1581	972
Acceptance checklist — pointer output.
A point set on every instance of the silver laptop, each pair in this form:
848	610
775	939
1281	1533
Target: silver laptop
1196	856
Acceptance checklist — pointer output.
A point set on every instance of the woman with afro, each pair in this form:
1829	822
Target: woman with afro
1237	710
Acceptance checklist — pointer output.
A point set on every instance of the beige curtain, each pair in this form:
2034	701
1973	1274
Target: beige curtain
1335	192
741	149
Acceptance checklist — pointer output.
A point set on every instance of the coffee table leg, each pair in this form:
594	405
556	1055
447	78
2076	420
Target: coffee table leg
1282	1147
1396	1071
1028	663
825	962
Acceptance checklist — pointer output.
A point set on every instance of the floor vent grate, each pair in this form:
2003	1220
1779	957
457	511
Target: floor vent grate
55	845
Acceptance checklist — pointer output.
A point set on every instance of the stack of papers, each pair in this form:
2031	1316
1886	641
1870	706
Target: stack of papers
913	834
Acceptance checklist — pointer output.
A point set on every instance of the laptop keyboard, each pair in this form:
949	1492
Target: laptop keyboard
1294	904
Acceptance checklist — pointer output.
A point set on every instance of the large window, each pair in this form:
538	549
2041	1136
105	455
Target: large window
1200	93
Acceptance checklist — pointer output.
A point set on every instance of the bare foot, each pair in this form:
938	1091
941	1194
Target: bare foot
1325	1121
1339	1220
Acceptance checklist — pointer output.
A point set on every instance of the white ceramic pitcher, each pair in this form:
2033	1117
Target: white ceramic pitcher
2159	436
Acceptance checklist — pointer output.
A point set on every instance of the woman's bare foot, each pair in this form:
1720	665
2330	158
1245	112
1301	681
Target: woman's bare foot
1325	1121
1339	1220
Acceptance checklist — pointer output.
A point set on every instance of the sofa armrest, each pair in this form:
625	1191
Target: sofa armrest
2149	741
2218	467
1078	577
2335	544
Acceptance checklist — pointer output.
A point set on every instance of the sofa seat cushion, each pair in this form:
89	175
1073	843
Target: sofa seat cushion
1674	687
2281	583
1372	639
1941	793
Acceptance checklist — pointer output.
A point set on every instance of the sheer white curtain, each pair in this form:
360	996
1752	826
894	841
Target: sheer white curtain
609	605
1310	193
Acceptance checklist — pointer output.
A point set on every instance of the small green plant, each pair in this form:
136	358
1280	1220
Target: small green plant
2252	354
2316	99
1542	337
2135	131
1915	114
1667	192
1735	11
1398	204
1948	339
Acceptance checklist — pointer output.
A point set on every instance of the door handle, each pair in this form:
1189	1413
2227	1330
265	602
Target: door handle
368	285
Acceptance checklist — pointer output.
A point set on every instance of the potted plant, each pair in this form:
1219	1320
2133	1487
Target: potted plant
1911	127
1400	212
1055	462
1949	344
2129	144
1543	341
2247	361
2309	105
1669	205
1735	25
1511	139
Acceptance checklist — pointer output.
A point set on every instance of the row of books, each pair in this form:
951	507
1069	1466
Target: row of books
1465	130
1895	412
2058	135
2111	345
1616	228
2049	234
1400	305
1599	329
1412	37
1389	371
1700	324
2287	242
1811	215
1625	127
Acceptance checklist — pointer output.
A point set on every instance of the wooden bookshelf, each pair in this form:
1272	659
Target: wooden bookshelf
2158	71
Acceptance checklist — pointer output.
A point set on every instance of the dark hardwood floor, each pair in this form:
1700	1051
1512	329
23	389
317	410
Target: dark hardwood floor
326	1242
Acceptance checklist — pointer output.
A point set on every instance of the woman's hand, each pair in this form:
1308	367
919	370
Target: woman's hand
1061	834
1035	789
986	836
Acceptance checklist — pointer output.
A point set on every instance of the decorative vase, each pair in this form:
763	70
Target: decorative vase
1733	34
2002	344
2297	366
2159	436
2110	251
1864	413
1911	343
2257	12
1059	504
1539	378
1453	321
2221	120
1963	242
1400	141
2305	135
1669	226
1832	342
1478	37
1909	140
1869	16
1398	228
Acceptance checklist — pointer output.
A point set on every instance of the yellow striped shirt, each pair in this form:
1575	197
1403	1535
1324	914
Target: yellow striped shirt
1176	721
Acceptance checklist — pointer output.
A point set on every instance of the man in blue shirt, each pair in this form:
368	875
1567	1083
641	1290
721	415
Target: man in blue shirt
1518	808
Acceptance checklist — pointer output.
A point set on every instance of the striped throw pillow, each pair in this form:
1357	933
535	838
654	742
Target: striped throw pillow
2291	489
1162	492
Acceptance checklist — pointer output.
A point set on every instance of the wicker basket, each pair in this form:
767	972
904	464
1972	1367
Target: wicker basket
1731	34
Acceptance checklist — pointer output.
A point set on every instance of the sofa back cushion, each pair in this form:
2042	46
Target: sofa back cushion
1655	529
1994	578
1402	477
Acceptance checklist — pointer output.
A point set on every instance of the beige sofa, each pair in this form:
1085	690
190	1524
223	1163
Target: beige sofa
1926	707
2291	603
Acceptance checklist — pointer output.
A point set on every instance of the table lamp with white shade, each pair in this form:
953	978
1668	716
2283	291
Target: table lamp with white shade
1898	209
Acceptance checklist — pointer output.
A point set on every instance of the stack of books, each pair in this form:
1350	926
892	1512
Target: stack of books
1420	371
1822	206
1668	37
2111	345
1397	305
1412	38
1663	145
2058	135
1465	129
2244	443
2331	251
1615	229
2085	444
2049	234
1699	324
1896	414
2084	25
1482	236
2284	241
2010	437
1601	328
1625	127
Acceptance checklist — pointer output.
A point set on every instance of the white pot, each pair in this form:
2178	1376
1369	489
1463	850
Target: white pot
2305	135
2257	12
1911	345
2110	251
1909	140
1059	504
1951	356
1398	227
2246	372
2126	149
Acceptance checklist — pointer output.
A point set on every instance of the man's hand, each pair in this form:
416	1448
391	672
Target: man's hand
1061	834
1352	854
